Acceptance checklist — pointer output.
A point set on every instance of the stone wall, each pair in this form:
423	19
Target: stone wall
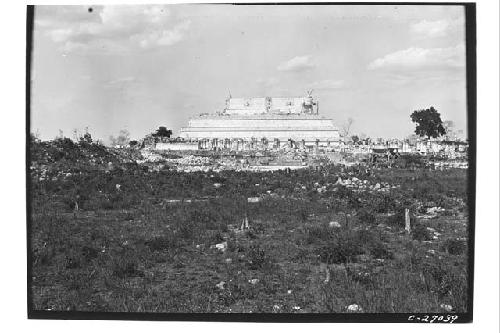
177	146
291	123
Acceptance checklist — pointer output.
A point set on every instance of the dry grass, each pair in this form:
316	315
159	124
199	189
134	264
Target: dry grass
129	250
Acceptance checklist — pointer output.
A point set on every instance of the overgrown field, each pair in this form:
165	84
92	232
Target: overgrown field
109	235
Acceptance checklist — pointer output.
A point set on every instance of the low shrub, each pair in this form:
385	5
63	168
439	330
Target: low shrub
345	246
73	262
419	232
257	257
380	251
454	246
365	216
446	280
89	253
398	219
340	251
125	268
383	203
161	243
318	233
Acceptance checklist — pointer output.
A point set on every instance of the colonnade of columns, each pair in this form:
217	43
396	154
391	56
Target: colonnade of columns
237	144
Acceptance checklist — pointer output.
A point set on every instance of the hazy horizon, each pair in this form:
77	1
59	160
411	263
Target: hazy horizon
140	67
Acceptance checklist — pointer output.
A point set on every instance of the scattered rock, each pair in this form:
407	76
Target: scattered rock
354	308
363	258
221	285
253	281
221	246
446	307
435	210
334	224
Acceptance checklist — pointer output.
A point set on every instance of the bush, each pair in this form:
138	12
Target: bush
125	268
382	203
455	246
379	250
419	232
89	253
445	280
72	262
256	257
161	243
345	246
410	161
340	251
398	219
365	216
318	233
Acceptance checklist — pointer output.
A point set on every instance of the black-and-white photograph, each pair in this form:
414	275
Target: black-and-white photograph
304	162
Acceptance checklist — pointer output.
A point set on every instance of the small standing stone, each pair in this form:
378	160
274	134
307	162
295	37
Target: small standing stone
407	220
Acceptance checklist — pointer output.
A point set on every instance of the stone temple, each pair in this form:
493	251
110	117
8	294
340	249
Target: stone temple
275	120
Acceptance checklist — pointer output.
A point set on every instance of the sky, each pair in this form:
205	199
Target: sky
108	68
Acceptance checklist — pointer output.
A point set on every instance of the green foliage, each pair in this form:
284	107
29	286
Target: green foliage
162	132
365	216
257	257
398	218
410	161
344	246
125	268
162	243
130	249
455	246
428	122
419	232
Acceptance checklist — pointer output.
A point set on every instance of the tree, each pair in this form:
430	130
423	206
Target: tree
355	139
122	139
428	122
86	138
449	127
163	132
346	128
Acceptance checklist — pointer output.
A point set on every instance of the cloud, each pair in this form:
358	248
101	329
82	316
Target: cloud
163	37
439	28
327	85
297	64
126	79
267	82
111	28
421	59
128	83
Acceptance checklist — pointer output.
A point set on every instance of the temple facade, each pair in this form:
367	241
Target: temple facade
273	120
